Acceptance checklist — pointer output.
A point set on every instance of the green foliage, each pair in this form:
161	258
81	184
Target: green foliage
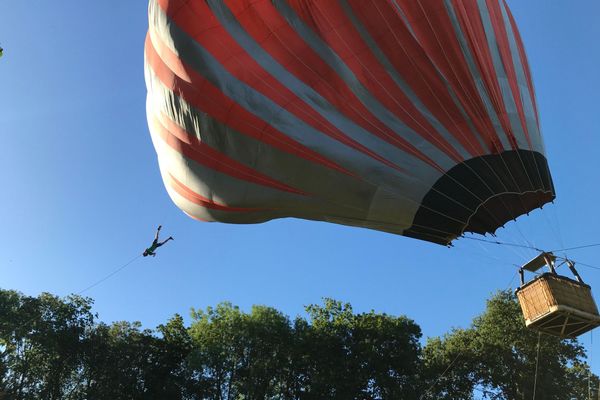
43	343
238	355
497	356
360	356
53	348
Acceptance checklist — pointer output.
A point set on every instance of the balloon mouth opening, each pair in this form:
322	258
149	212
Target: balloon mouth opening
482	194
504	207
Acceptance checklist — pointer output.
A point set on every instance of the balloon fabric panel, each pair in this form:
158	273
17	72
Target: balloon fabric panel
411	117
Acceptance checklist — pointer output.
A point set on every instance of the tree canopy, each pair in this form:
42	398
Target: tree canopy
497	356
55	348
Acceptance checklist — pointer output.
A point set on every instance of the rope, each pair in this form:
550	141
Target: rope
591	360
536	248
441	376
116	271
505	243
458	355
578	263
122	267
554	213
537	361
540	250
577	247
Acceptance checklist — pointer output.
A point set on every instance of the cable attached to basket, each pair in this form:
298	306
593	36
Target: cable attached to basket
537	361
523	246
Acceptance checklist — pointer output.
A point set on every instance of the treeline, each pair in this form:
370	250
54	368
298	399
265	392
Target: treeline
55	348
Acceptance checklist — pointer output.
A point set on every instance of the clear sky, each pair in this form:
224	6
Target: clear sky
81	192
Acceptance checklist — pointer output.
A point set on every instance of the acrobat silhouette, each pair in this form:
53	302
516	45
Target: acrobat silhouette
150	251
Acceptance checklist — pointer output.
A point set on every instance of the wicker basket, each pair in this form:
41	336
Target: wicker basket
558	305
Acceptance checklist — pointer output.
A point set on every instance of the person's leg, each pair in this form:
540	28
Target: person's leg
157	232
170	238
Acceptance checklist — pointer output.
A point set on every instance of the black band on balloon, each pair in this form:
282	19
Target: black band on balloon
482	194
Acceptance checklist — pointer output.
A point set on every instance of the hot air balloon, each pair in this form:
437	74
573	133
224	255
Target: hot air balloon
406	116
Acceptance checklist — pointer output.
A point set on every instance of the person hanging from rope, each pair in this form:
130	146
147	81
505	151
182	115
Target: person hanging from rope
150	251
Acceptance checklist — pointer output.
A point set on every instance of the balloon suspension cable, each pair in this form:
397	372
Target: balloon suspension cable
537	361
440	376
590	390
500	243
531	247
449	367
523	246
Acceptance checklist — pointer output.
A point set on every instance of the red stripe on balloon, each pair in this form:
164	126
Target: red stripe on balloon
200	152
198	22
472	25
329	21
240	64
265	25
412	62
200	200
204	96
436	36
507	61
524	61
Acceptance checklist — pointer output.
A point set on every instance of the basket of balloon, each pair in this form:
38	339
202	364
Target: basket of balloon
555	304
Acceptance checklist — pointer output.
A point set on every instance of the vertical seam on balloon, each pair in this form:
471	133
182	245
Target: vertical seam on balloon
501	37
327	55
484	10
280	94
527	97
434	136
517	62
477	119
393	139
469	94
524	61
465	29
415	95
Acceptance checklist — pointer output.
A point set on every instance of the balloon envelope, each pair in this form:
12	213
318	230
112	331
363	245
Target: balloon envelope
412	117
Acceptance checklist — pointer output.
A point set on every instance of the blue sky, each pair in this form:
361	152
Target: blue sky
81	192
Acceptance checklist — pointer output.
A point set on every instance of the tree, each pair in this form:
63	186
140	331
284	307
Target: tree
497	355
335	355
238	355
42	343
124	361
51	348
359	356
